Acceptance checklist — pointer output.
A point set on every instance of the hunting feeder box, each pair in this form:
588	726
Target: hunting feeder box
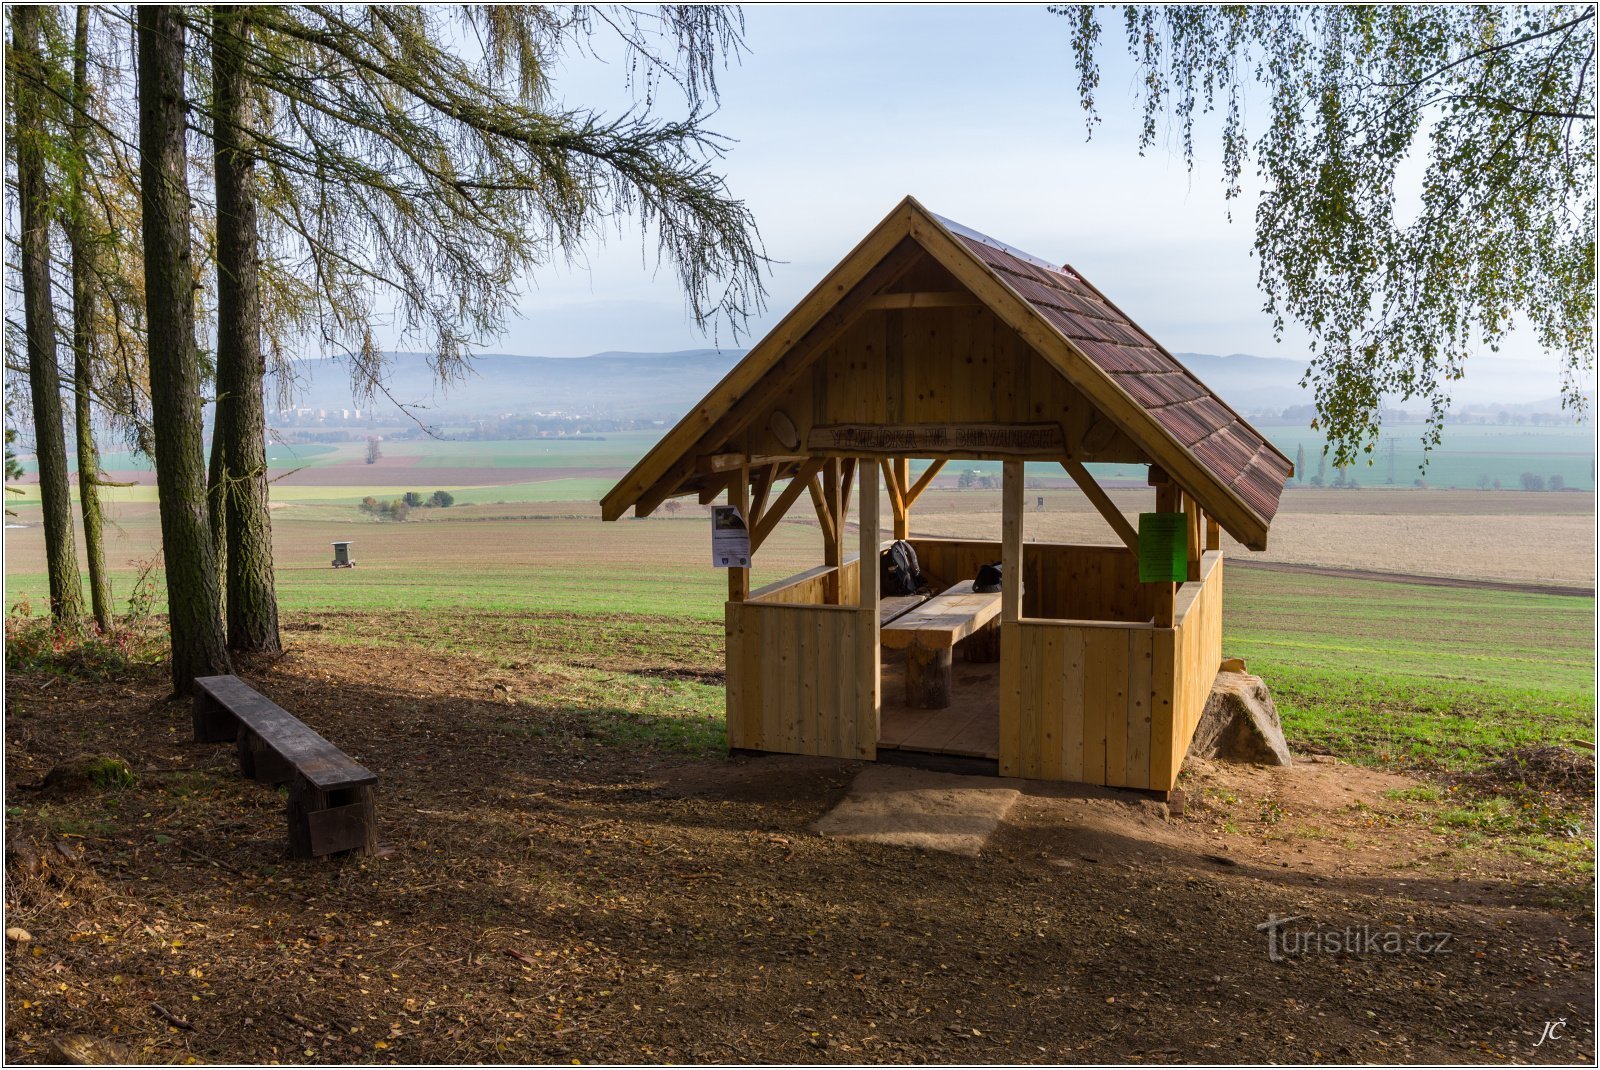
341	555
932	341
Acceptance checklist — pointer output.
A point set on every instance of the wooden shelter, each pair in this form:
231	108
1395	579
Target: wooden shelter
930	341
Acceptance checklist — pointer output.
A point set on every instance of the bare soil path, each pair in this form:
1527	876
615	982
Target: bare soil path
549	898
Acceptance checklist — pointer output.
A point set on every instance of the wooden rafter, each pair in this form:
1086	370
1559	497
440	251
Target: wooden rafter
922	482
819	501
897	499
771	516
762	360
763	491
1103	505
794	358
713	490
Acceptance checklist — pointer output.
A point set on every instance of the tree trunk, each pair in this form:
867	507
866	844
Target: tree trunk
252	599
216	510
44	378
83	334
193	610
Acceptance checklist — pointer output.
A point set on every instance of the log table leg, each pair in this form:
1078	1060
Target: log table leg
928	677
983	645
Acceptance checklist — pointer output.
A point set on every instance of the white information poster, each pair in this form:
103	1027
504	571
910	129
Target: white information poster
730	539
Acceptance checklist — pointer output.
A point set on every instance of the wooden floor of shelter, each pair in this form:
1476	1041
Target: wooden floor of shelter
968	727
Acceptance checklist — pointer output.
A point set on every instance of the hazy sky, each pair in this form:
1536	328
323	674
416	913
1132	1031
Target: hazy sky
836	113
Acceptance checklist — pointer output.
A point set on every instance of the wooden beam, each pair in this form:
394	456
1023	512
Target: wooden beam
819	501
728	462
931	440
902	485
868	653
778	376
1192	509
711	491
847	475
922	482
776	511
1213	534
923	299
860	264
833	549
758	506
739	498
897	502
1167	501
1011	542
1104	505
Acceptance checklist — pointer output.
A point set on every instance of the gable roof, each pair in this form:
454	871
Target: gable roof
1234	473
1238	454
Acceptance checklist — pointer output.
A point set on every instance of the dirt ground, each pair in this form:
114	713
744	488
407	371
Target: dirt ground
547	898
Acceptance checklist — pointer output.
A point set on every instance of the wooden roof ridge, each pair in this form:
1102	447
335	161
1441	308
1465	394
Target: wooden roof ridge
1232	470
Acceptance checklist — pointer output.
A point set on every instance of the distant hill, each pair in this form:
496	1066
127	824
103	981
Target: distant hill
661	386
623	385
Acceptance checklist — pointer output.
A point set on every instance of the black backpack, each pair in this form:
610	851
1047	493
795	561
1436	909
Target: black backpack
898	571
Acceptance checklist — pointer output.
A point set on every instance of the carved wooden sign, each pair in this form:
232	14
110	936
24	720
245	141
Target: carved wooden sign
923	440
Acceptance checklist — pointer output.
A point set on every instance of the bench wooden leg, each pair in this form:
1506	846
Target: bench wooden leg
324	823
983	645
213	722
260	762
928	678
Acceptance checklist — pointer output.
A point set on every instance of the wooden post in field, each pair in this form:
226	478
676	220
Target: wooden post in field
739	498
868	653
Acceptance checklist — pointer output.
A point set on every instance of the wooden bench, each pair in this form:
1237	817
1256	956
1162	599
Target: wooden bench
929	633
331	805
891	607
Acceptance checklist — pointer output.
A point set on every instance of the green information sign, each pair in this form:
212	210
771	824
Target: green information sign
1163	548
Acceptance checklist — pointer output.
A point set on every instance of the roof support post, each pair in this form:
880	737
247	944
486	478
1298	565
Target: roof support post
1213	534
1169	499
1011	542
739	498
833	531
868	653
1192	509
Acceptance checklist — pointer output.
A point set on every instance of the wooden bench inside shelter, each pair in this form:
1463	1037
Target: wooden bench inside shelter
331	807
929	633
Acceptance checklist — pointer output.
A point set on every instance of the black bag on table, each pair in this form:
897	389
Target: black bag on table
988	578
898	570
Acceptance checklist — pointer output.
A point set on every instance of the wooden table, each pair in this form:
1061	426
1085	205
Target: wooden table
929	634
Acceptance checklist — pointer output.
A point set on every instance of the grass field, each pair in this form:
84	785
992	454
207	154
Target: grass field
1378	671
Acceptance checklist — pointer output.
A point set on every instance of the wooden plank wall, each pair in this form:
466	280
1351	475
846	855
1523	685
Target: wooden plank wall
1083	703
791	680
809	588
1197	655
931	366
1061	582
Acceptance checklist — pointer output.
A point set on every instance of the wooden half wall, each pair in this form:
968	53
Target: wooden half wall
1107	702
792	681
